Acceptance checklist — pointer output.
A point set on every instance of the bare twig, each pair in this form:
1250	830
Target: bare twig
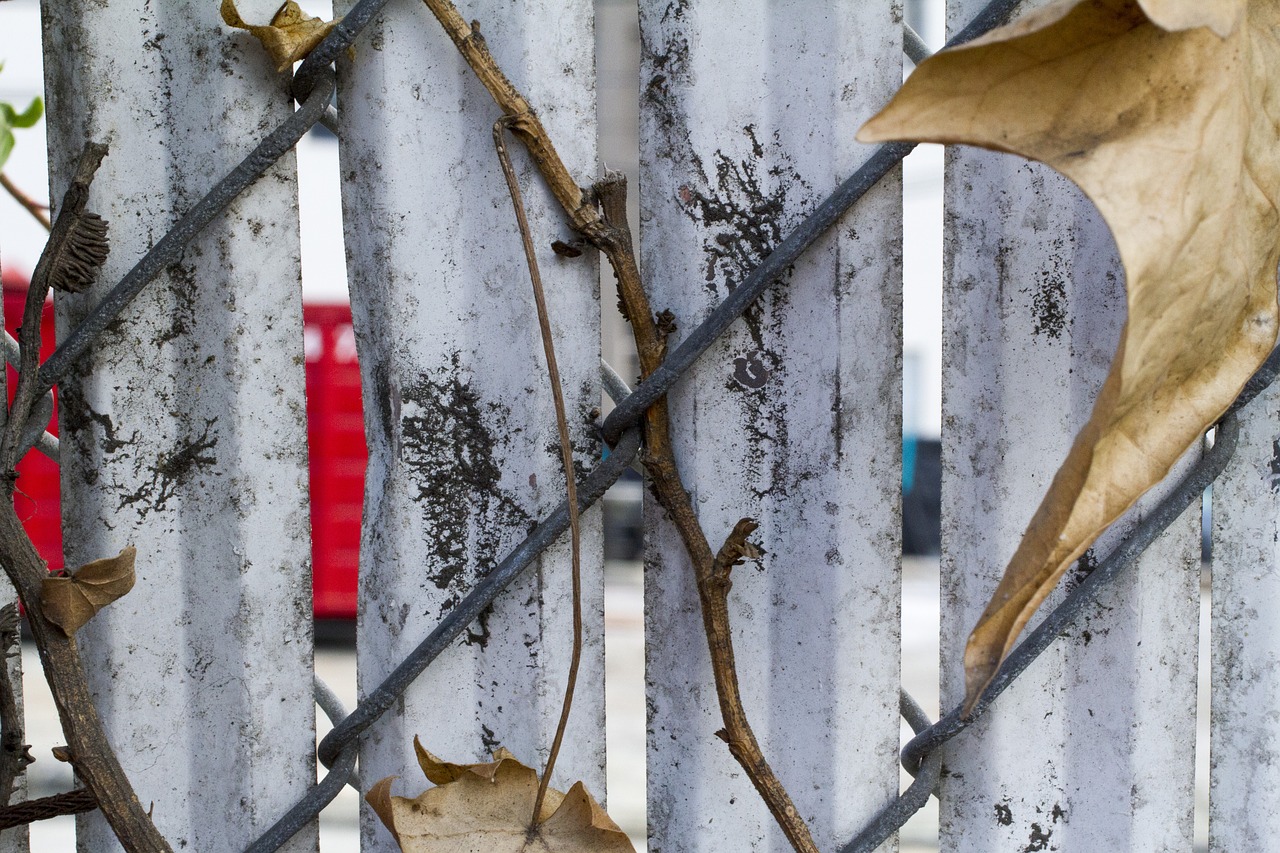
611	235
710	572
35	208
524	122
60	253
91	755
566	451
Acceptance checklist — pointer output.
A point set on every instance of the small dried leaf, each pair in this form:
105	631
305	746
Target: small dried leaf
485	808
70	602
289	37
1166	113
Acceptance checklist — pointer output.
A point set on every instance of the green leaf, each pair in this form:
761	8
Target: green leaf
11	118
29	116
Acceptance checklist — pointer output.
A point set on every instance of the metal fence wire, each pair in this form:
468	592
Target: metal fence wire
313	87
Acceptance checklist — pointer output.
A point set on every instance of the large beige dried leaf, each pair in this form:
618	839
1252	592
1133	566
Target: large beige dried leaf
289	37
69	602
1165	113
486	808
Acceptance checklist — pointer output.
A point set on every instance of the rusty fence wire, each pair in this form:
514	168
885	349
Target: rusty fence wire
312	87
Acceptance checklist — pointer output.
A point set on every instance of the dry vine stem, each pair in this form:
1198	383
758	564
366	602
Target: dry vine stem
35	208
566	453
611	235
91	754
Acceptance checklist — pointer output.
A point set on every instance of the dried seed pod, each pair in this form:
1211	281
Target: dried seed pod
81	254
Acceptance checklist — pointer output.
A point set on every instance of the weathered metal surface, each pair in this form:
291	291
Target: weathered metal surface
184	432
1244	793
463	454
747	118
17	839
1093	747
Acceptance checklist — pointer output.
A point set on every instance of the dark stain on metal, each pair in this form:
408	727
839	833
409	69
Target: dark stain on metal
1049	306
174	468
1039	839
478	634
489	739
1004	814
1274	476
1084	567
749	372
451	456
744	206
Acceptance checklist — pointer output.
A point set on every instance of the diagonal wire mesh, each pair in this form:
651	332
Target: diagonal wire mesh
312	88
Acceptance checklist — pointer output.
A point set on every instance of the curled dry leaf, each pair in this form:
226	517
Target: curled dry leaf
486	808
1165	112
70	602
289	37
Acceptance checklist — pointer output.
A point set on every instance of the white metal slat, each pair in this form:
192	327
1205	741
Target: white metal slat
463	449
17	839
1244	813
748	112
184	433
1034	306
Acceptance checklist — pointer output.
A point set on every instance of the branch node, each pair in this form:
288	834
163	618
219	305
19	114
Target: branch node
734	551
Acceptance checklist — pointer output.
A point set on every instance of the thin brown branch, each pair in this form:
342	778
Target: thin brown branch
524	123
95	762
612	236
710	571
35	208
91	754
566	451
66	231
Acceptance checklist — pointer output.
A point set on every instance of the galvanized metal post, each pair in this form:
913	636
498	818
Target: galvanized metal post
748	111
184	432
1244	809
463	454
1093	748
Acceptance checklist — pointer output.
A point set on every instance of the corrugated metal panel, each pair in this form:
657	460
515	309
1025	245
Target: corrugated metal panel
1093	747
463	454
748	111
184	430
1244	808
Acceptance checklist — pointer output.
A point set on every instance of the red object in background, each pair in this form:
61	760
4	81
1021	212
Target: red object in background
335	432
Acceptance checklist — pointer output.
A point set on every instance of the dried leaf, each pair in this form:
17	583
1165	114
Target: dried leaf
70	602
289	37
1165	113
485	808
